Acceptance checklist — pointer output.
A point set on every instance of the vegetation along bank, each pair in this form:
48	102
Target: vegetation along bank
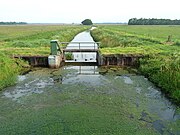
160	46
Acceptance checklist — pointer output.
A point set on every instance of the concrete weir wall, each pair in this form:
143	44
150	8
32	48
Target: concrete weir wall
119	60
54	61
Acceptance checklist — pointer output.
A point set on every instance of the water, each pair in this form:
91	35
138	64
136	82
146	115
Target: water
86	42
50	90
86	100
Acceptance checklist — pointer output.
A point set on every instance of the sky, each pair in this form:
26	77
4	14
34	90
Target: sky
75	11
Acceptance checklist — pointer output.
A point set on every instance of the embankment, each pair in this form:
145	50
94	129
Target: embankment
9	69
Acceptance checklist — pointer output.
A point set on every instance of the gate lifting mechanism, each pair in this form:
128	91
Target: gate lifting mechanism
55	57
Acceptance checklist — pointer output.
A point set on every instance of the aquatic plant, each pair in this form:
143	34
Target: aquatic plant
69	56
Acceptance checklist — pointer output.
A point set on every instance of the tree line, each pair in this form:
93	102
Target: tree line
12	23
153	21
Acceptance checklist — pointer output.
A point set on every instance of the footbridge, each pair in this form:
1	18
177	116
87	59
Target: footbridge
80	46
80	52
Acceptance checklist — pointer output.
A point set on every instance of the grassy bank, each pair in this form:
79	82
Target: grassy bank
9	70
163	61
28	40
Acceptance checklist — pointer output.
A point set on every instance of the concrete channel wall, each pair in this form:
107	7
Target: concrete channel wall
41	61
102	60
119	60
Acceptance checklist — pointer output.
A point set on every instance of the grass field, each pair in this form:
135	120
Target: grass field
162	64
28	40
34	39
137	39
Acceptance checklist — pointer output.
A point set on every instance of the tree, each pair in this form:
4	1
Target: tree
12	23
153	21
87	22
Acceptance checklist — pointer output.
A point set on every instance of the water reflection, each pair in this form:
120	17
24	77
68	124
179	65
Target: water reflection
86	75
84	70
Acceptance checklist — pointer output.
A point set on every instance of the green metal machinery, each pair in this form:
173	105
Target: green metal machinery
55	48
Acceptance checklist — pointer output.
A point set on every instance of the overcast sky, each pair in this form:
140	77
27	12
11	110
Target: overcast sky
75	11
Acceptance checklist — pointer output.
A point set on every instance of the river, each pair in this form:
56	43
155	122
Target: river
86	100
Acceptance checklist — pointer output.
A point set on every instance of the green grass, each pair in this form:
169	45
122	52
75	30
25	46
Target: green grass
9	71
29	40
123	36
34	39
160	33
163	62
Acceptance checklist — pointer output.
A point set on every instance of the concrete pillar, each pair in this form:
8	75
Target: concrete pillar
54	61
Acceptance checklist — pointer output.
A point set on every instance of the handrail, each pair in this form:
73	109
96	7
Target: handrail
95	45
80	42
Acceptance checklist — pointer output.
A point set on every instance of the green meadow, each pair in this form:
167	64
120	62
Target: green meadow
34	39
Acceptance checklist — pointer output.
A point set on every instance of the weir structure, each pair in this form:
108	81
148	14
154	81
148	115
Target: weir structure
59	49
81	52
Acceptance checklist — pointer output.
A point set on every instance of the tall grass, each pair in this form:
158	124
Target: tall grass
8	71
164	72
163	64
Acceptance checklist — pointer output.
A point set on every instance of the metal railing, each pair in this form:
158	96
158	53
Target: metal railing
79	45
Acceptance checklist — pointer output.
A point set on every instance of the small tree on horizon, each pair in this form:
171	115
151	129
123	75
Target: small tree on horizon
87	22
